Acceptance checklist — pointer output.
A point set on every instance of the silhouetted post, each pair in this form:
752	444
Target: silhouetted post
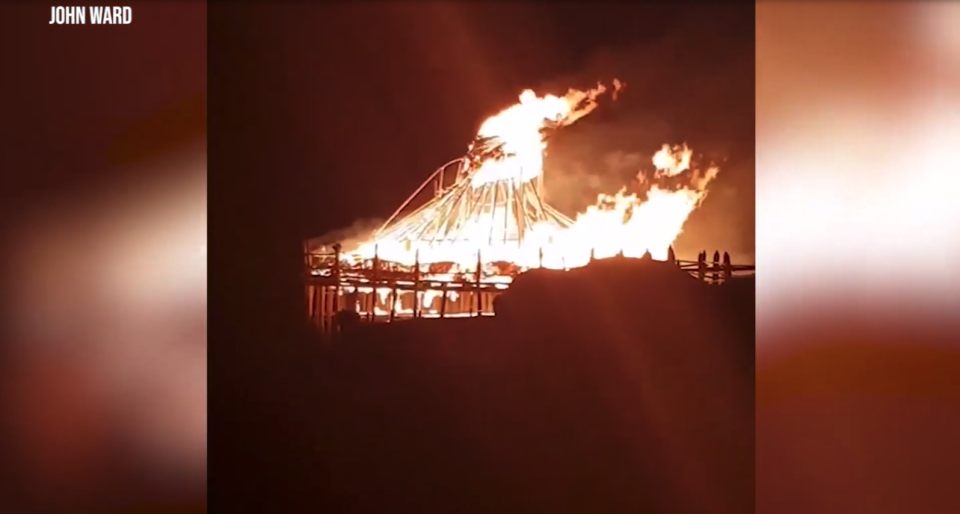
592	255
563	262
326	299
702	267
376	282
541	256
443	301
314	311
671	257
416	284
727	267
336	278
320	305
311	304
716	266
476	290
393	301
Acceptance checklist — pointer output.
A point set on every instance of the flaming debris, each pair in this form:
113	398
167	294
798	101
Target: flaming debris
492	211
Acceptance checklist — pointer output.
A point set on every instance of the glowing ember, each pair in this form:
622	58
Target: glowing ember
494	210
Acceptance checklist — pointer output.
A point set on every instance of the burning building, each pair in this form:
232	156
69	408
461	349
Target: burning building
485	221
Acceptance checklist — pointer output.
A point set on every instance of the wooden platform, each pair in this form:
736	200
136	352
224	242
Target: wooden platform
376	291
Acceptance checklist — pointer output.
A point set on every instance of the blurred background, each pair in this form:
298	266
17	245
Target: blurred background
858	240
103	375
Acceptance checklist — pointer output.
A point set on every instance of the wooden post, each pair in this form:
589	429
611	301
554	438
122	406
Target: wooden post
325	312
716	267
308	290
376	283
316	302
443	302
592	254
416	284
321	309
671	257
393	302
541	256
336	279
328	312
316	306
476	286
702	266
727	267
311	305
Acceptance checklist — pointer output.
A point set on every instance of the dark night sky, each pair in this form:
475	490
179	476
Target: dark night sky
325	114
382	95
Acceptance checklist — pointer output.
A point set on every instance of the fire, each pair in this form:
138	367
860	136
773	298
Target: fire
673	161
516	132
494	211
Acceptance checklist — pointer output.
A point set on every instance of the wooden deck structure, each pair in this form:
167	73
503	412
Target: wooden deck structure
377	291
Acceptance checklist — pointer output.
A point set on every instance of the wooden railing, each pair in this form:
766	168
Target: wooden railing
372	291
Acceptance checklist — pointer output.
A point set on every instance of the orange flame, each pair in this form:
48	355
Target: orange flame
512	151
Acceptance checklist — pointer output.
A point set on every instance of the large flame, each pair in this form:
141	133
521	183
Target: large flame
510	149
518	130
